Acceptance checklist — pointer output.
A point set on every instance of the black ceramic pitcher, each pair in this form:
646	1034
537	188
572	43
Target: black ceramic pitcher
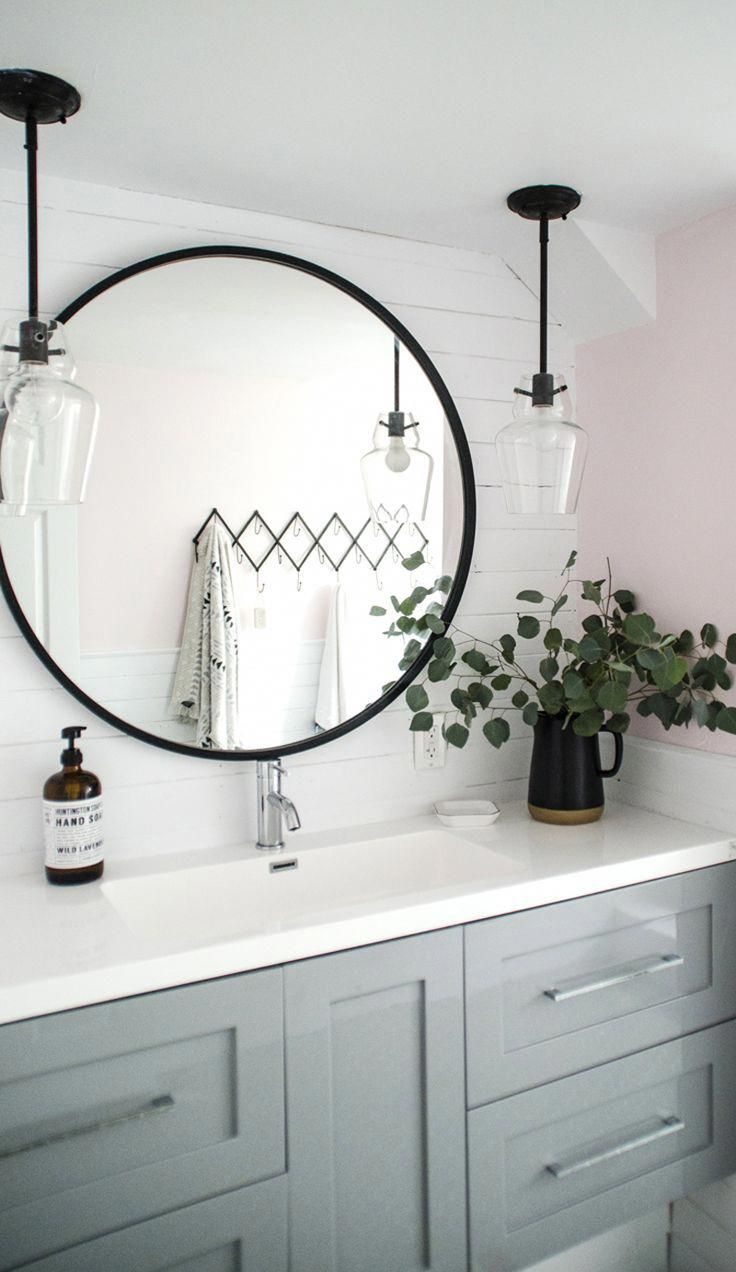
566	778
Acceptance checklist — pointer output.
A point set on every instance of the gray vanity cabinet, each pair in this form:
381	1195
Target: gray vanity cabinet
376	1100
114	1114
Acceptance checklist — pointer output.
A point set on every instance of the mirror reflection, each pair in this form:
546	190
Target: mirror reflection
266	457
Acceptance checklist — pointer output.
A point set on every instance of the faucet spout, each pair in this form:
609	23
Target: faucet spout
287	808
274	808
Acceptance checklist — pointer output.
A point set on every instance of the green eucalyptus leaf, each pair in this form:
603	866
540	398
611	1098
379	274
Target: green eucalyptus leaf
701	675
548	668
459	699
377	611
553	639
573	684
422	722
587	724
731	648
612	696
438	670
528	626
592	623
591	592
435	624
639	629
456	735
570	561
559	603
405	624
685	642
726	719
501	683
508	644
589	649
443	647
389	685
414	561
701	710
496	731
619	722
660	705
480	693
477	661
551	697
396	603
649	659
520	698
625	600
530	714
530	594
571	646
443	584
708	635
670	673
416	697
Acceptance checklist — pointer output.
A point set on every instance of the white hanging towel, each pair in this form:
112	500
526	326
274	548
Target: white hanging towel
332	689
206	680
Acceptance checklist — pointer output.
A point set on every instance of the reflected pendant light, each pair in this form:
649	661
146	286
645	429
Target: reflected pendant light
397	474
541	453
47	422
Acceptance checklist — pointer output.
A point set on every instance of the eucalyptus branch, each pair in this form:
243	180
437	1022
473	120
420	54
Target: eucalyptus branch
617	662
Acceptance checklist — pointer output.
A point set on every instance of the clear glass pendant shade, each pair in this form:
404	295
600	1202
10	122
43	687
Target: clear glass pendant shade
541	454
47	427
397	473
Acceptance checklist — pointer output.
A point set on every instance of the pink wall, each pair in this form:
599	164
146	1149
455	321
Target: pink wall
659	402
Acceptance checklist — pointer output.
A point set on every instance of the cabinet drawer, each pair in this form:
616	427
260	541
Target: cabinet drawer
245	1229
556	1165
115	1113
556	990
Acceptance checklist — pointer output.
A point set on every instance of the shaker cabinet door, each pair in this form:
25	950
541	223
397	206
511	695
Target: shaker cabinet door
375	1093
242	1231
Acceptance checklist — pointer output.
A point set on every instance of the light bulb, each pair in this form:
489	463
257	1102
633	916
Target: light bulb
397	456
33	395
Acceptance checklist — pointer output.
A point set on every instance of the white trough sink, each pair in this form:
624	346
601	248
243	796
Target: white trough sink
258	895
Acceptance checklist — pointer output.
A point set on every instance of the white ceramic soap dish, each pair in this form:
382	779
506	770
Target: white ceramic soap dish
467	813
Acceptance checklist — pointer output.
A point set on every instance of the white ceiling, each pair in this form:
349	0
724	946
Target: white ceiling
411	117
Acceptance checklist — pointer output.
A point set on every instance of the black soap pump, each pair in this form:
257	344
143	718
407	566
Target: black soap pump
72	817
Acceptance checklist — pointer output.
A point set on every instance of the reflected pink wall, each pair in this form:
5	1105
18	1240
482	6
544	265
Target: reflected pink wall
659	495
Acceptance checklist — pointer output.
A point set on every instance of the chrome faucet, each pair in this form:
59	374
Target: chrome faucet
274	808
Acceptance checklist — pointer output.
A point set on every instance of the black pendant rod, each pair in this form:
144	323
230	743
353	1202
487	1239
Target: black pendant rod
543	241
396	374
31	148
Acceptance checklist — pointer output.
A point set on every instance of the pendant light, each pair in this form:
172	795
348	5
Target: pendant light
541	453
47	422
397	474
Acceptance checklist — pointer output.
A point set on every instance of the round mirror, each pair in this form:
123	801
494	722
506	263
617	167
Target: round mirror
273	446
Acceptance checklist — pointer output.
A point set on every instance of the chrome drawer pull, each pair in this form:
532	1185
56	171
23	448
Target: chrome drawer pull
161	1104
617	976
662	1127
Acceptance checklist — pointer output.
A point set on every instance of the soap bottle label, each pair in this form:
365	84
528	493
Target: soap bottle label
73	833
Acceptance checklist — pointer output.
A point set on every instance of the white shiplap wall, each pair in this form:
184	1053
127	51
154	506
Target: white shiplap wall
478	322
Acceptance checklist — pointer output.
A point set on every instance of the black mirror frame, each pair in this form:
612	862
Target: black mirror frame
468	488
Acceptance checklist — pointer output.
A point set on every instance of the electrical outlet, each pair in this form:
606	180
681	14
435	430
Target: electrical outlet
430	748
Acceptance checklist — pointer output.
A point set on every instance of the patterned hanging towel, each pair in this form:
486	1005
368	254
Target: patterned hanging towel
206	680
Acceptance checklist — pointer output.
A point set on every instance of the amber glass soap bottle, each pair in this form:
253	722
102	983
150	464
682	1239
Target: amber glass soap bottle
72	818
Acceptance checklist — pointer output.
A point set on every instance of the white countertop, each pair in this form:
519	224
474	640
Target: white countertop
68	947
